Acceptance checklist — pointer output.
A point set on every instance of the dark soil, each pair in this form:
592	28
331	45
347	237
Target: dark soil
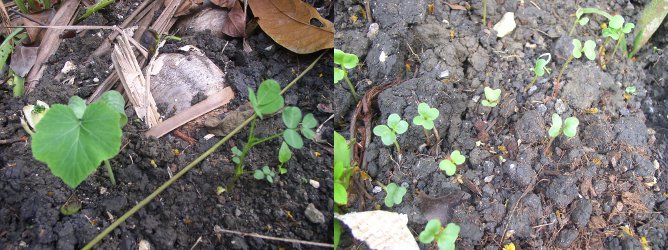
582	193
186	213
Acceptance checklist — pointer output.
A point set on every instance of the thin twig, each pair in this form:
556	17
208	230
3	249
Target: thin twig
276	238
27	17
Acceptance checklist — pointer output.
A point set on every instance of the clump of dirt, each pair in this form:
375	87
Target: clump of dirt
572	193
187	213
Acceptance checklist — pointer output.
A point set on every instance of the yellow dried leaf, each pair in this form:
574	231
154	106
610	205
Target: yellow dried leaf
509	246
644	243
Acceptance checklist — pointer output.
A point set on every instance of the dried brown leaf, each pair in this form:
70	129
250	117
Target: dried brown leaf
235	22
633	202
294	25
440	207
597	222
224	3
23	59
455	6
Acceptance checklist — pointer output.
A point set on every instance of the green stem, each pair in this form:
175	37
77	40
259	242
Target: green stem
381	185
612	57
561	72
185	170
426	134
350	84
484	12
575	24
535	77
110	172
396	144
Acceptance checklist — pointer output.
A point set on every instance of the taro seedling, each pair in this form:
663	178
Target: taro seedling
491	97
347	61
449	165
394	194
589	49
539	69
445	237
73	140
388	133
617	31
425	118
267	101
264	174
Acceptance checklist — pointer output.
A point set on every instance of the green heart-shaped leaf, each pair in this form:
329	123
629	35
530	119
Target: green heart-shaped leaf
284	153
492	95
396	124
385	133
488	104
448	166
430	230
447	238
338	74
268	99
350	61
340	194
539	69
616	22
628	27
571	126
590	49
116	102
583	21
424	122
73	148
293	138
395	194
577	48
309	121
555	129
338	56
341	152
291	117
457	157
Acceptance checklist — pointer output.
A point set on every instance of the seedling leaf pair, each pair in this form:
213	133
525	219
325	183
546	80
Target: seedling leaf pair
541	65
491	97
395	194
449	165
445	237
73	140
291	118
388	133
264	174
268	99
426	116
347	61
589	49
569	127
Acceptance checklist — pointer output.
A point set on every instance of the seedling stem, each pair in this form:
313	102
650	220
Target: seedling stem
350	84
561	72
110	172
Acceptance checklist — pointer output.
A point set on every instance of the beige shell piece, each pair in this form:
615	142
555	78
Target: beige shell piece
380	230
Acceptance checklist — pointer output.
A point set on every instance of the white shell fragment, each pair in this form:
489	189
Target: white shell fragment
380	230
69	66
506	25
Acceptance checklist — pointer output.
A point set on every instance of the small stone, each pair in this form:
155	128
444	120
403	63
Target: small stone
382	57
376	189
69	66
96	79
489	179
144	245
373	31
444	74
566	237
506	25
313	214
314	183
560	107
103	190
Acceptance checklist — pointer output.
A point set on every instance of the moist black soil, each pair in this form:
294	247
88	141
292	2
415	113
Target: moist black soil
185	214
604	188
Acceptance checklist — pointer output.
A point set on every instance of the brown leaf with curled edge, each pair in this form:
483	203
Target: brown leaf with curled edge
441	207
235	22
294	25
23	59
224	3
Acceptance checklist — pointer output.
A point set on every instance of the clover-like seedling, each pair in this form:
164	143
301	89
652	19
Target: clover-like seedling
617	31
569	127
268	99
540	68
449	165
445	237
292	118
395	194
74	140
388	133
236	155
589	50
264	174
347	61
425	118
491	97
579	19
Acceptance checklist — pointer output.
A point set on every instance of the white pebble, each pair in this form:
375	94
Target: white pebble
506	25
314	183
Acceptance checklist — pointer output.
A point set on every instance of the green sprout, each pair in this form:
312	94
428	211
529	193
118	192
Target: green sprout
74	140
631	90
284	155
236	155
94	8
33	6
445	237
388	133
395	194
342	169
589	49
569	127
268	99
539	69
449	165
425	118
264	174
491	97
617	31
347	61
579	19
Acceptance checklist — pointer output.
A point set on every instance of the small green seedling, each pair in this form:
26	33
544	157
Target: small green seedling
268	101
589	50
73	140
342	169
539	69
395	194
388	133
449	165
631	90
491	97
445	237
264	174
425	118
94	8
617	31
347	61
569	127
16	81
579	19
